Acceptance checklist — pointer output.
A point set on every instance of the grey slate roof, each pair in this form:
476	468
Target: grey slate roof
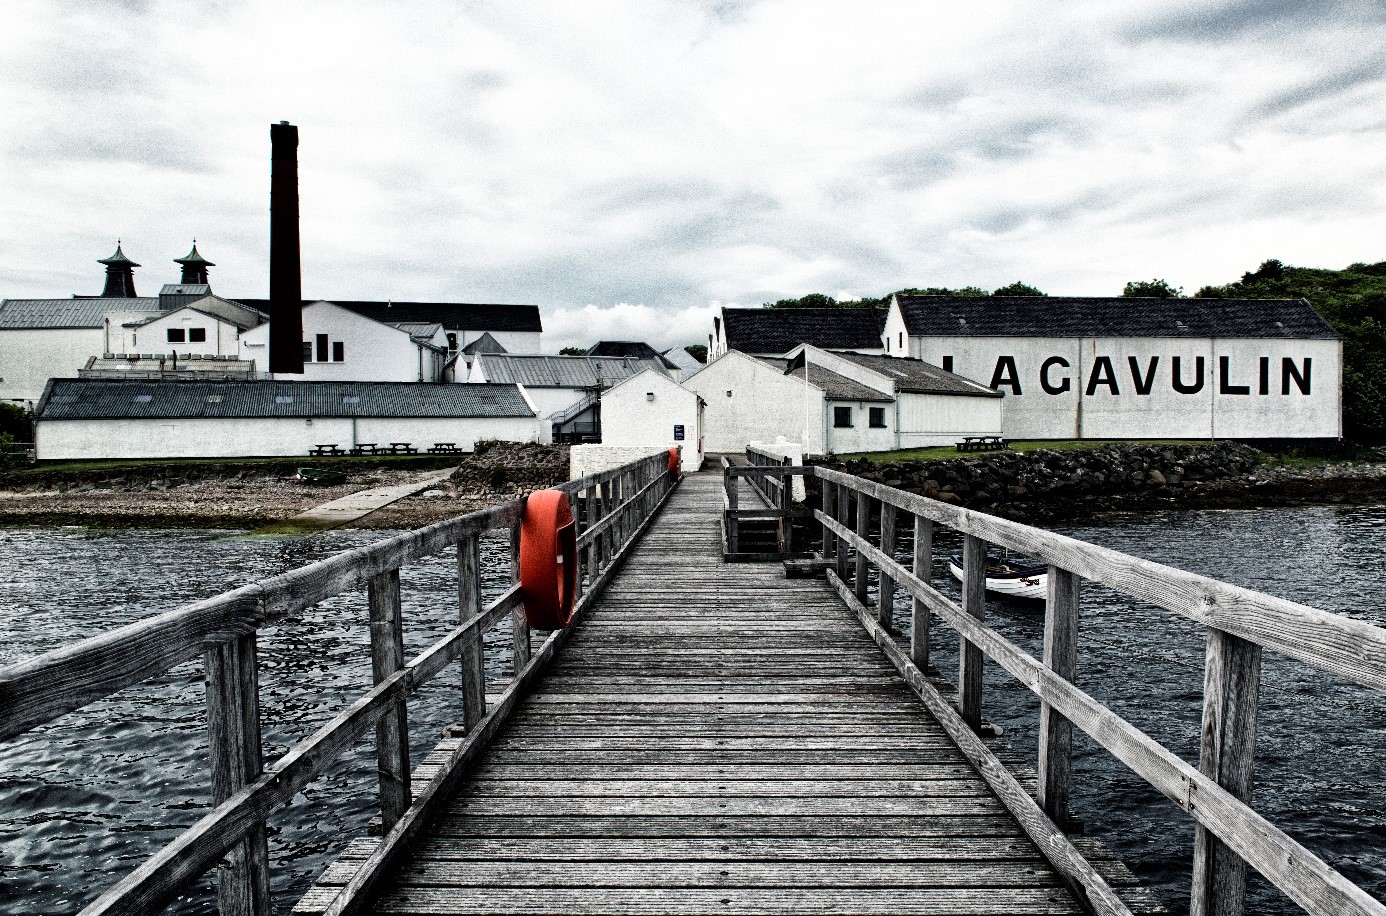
24	314
534	371
455	316
484	344
917	376
1095	316
775	331
105	399
419	330
185	289
636	348
833	385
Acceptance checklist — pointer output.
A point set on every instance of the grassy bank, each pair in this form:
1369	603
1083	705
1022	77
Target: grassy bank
943	452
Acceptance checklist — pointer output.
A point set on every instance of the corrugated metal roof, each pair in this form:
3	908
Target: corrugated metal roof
915	375
775	331
535	371
27	314
105	399
840	388
185	289
418	329
1097	316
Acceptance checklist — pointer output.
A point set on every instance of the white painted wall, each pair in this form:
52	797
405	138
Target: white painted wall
645	409
942	419
763	404
375	352
591	458
894	333
860	436
222	337
29	358
267	437
1212	411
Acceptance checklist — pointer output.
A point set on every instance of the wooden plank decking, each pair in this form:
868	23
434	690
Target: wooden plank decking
717	738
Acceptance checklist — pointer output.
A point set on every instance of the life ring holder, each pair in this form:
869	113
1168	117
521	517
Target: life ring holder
548	560
675	468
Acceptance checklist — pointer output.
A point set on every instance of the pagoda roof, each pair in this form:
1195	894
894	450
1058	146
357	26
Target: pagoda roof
192	257
120	258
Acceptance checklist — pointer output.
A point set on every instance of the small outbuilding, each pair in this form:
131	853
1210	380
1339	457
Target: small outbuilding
102	418
651	409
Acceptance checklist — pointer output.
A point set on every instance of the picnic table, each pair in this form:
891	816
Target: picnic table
329	448
403	448
982	444
363	448
445	448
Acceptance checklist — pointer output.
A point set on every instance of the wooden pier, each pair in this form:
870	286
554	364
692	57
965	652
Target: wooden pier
713	736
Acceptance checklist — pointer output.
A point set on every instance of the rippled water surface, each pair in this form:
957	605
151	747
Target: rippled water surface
86	799
1320	757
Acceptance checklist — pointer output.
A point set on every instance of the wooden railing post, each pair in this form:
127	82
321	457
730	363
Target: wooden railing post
841	515
885	605
1056	732
863	531
919	612
829	541
523	649
729	481
1227	753
609	534
392	731
969	655
472	657
594	547
237	758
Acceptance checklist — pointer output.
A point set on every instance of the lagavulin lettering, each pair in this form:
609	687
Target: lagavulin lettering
1296	376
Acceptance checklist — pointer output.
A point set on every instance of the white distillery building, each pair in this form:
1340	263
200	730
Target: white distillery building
566	390
102	418
839	402
652	410
1118	368
340	344
512	328
774	332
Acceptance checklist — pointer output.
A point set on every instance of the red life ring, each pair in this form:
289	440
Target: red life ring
548	560
674	460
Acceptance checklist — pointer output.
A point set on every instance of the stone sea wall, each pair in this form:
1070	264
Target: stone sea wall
1050	484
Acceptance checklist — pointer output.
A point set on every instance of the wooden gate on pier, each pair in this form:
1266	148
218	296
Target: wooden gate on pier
715	737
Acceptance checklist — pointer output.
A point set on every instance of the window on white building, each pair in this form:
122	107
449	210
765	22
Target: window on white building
197	335
877	420
175	335
338	351
322	348
307	352
842	417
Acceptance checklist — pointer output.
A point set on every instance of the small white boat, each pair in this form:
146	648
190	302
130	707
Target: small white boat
1010	577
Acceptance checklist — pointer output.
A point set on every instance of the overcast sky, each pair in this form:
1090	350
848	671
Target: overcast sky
632	166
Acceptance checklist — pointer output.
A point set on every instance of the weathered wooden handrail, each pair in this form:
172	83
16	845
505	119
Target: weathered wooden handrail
1240	623
618	503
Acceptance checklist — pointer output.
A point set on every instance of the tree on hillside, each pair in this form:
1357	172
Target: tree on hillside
942	291
1353	301
697	351
823	301
571	351
1151	289
1018	289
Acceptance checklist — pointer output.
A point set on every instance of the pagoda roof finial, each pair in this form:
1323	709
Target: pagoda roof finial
192	257
118	258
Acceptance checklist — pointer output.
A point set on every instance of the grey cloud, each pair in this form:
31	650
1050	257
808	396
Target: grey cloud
1230	21
146	145
1318	89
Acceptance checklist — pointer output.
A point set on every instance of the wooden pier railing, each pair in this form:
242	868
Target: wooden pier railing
1240	623
612	508
774	490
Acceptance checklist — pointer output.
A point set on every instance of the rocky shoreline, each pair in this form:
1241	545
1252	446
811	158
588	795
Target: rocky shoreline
1050	485
250	495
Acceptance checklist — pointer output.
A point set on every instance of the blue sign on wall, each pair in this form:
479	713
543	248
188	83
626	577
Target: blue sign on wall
678	433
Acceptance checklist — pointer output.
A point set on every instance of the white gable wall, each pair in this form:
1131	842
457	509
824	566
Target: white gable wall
894	333
943	419
763	404
30	357
374	352
651	409
221	338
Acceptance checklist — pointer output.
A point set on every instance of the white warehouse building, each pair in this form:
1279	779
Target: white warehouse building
1121	368
838	402
103	418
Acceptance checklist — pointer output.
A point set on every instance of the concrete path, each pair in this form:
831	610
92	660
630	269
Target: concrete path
349	508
